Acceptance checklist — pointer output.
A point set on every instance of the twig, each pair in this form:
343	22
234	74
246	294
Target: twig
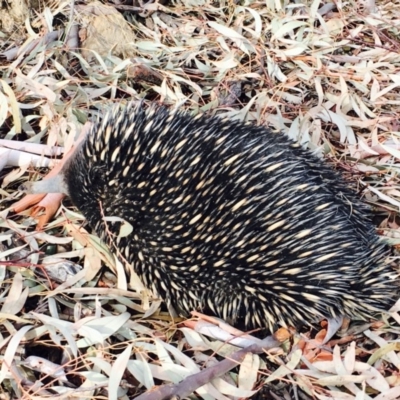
72	35
13	53
193	382
35	148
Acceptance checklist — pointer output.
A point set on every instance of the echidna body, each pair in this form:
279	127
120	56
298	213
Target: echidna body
230	219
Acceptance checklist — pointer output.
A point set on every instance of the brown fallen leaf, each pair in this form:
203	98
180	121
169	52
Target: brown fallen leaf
26	202
283	334
46	205
46	208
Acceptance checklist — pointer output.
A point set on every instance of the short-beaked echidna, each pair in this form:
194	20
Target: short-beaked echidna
229	218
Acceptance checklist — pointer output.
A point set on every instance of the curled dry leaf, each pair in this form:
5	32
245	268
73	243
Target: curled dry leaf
46	367
46	209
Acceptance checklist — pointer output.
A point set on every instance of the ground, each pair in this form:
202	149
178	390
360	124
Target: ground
327	73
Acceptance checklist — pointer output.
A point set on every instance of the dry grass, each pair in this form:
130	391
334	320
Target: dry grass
326	73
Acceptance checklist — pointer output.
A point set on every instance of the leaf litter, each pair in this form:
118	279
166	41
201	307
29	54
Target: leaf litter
326	73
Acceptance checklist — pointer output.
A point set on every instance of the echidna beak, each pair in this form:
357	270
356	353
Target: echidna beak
26	187
54	184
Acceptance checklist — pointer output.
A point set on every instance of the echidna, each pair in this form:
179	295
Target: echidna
228	218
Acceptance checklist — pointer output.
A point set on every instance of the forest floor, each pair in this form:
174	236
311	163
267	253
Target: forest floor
326	73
